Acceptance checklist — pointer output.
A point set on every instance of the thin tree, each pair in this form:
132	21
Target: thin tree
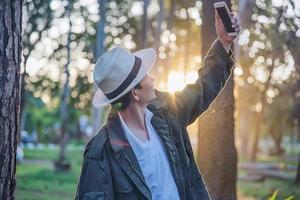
160	19
145	24
170	26
245	10
293	44
296	96
99	50
62	164
10	59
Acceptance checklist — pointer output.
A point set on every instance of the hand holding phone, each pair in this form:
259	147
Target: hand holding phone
224	14
227	24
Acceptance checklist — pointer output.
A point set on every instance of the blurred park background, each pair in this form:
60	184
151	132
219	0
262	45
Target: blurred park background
248	139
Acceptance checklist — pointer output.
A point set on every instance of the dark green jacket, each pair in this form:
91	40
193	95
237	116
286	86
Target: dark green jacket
110	169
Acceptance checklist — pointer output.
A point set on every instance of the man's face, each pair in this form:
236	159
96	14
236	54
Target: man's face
147	92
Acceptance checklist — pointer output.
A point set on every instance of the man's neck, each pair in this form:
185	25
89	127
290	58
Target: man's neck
134	116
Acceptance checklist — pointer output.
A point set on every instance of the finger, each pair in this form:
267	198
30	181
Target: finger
235	23
237	20
234	27
234	19
233	14
237	30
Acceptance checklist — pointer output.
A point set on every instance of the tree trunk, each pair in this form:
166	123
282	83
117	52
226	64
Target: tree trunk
296	97
100	49
62	163
216	150
243	126
143	42
297	179
276	135
186	46
159	23
24	75
10	59
171	16
259	113
167	62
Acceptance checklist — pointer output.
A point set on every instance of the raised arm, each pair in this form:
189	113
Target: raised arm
195	98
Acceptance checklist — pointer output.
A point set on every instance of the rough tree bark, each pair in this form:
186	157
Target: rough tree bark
216	152
10	59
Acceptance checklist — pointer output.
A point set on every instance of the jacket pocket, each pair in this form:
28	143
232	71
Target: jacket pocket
124	190
98	195
122	184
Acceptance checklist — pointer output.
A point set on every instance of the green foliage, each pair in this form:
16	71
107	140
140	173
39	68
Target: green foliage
274	196
38	15
121	28
43	89
278	116
266	61
40	118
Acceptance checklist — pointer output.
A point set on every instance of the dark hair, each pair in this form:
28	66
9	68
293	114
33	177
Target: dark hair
123	102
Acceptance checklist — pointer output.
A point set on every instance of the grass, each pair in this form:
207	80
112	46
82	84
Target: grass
51	154
37	179
265	189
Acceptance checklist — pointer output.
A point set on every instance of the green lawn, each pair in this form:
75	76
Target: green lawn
263	190
37	179
266	188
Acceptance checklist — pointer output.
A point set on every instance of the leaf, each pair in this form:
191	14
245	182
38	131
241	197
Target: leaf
273	197
290	198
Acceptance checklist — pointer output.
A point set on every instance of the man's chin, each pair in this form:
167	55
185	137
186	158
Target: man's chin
153	97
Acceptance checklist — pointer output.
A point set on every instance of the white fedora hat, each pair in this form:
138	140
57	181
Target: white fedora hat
118	71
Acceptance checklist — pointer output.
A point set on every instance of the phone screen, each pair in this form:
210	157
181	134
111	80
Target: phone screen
225	19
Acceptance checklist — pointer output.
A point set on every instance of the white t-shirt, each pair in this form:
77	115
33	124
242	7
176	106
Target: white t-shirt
153	161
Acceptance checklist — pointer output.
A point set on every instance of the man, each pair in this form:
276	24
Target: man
144	152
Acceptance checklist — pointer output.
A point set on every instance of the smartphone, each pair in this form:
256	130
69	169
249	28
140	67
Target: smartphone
224	13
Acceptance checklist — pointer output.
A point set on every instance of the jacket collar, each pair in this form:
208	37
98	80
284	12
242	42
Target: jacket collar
122	148
116	134
124	154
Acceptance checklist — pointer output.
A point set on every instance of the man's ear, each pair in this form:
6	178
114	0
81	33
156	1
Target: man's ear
134	94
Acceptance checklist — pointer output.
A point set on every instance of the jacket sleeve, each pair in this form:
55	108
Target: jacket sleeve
95	182
195	98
